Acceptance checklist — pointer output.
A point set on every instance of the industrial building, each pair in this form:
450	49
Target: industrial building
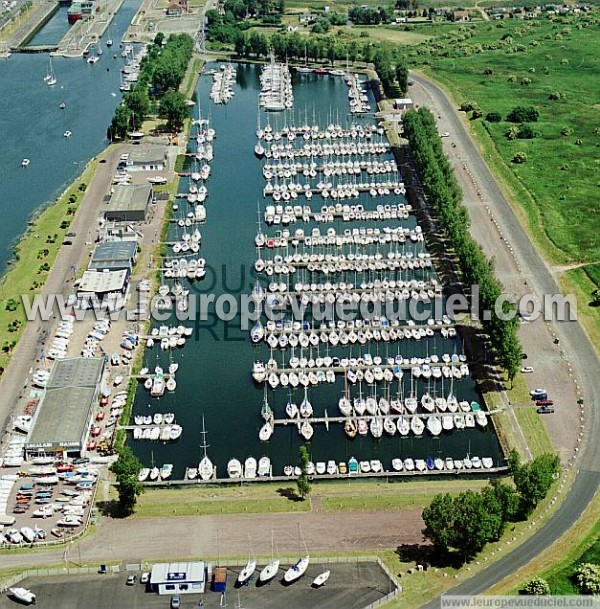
128	203
114	256
63	418
178	578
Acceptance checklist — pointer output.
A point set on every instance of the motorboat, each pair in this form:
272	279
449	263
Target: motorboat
250	468
264	467
247	572
234	468
297	570
23	595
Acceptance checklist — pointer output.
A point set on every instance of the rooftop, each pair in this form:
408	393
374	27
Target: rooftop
101	282
177	572
114	251
146	154
63	414
129	197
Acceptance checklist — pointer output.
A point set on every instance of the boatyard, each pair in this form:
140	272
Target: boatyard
353	585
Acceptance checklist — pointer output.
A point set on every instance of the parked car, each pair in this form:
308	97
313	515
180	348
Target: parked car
96	431
131	579
527	369
544	403
145	578
545	409
175	602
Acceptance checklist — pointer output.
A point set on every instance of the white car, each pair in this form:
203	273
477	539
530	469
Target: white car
444	134
145	578
527	369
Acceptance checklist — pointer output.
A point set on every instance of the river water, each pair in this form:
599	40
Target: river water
32	125
214	378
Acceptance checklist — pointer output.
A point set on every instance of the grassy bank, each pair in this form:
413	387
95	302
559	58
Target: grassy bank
500	65
34	256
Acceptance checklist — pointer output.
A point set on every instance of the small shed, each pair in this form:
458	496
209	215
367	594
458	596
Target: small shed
146	158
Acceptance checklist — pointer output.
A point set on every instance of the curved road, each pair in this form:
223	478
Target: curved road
575	342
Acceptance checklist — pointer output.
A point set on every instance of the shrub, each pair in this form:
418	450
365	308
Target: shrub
488	71
566	131
536	587
493	117
523	114
527	132
587	578
525	81
512	78
519	158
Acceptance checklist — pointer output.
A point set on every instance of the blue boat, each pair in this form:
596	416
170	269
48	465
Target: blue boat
430	463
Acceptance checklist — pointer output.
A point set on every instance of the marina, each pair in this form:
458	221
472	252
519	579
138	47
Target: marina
370	251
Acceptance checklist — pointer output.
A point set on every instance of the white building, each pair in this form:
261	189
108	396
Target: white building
178	578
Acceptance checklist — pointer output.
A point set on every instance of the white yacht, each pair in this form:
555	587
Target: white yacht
297	570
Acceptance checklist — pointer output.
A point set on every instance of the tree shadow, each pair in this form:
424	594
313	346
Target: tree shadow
111	509
290	493
427	556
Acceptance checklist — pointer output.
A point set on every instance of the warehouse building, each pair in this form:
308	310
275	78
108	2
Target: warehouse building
178	578
114	256
63	418
128	203
106	289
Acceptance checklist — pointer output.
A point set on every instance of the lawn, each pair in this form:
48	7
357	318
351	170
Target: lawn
534	430
390	33
556	188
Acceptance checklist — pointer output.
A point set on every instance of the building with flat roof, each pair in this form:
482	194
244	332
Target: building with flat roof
128	203
108	288
63	418
178	577
147	158
114	256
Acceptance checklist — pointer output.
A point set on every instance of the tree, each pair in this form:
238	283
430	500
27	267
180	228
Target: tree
533	480
158	39
437	517
303	482
213	17
587	578
402	77
596	297
126	469
173	107
119	125
519	158
536	587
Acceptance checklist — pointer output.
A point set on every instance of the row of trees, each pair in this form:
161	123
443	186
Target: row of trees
463	524
364	15
443	191
161	73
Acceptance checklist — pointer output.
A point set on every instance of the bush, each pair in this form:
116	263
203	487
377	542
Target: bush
536	587
527	132
519	158
587	578
566	131
493	117
525	81
523	114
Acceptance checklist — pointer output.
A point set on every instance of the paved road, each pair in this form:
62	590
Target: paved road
526	263
15	377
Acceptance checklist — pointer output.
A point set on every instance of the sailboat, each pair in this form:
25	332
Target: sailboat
248	571
50	78
321	579
298	569
270	571
109	41
304	69
206	469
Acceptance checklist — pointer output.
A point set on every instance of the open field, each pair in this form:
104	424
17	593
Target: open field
556	188
389	33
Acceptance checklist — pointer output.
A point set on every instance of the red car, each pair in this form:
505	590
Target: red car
100	416
96	431
91	445
544	403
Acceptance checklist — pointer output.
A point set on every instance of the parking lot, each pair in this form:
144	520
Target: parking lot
350	586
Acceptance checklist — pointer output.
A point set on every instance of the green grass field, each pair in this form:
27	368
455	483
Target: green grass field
560	577
561	171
